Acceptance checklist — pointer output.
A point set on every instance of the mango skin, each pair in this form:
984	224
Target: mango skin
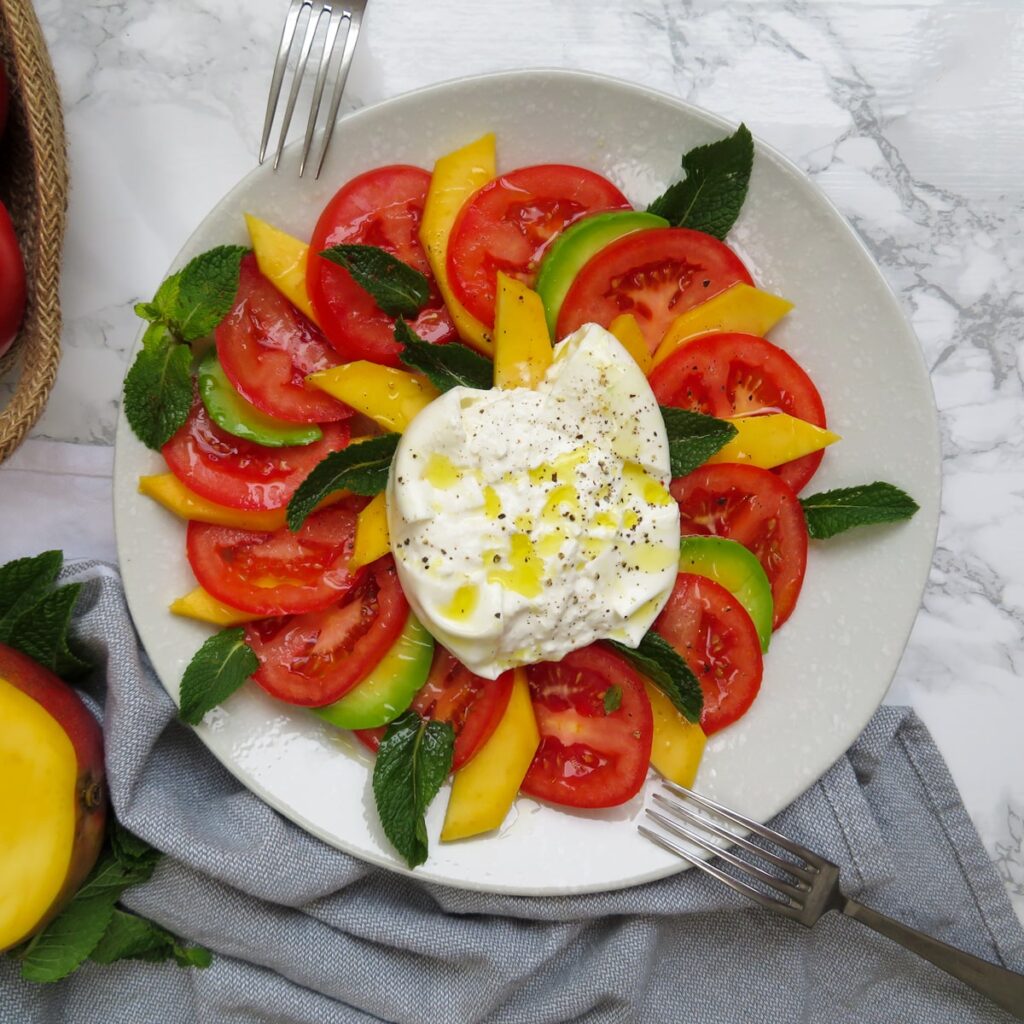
90	794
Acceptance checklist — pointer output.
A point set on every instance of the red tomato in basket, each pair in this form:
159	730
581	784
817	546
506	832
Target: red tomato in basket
12	282
4	100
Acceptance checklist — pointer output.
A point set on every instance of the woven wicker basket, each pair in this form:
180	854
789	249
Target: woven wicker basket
33	186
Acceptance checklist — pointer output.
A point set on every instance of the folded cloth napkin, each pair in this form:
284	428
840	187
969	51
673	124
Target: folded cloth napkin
303	933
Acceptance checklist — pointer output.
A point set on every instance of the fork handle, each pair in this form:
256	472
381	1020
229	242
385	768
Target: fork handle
1003	987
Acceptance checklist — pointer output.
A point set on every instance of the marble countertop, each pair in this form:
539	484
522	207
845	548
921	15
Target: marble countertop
909	115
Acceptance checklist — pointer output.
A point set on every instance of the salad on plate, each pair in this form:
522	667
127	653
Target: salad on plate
496	471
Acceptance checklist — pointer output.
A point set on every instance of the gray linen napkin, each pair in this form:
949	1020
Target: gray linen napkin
304	934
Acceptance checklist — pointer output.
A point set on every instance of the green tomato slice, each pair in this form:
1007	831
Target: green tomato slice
233	414
737	569
389	689
575	246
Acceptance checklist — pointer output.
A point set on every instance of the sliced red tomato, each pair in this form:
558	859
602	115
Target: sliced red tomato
734	374
473	705
588	757
383	207
509	223
655	275
243	474
756	508
715	636
267	348
278	573
12	282
316	658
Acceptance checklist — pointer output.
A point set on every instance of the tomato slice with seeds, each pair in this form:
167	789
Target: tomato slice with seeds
382	207
509	223
452	693
735	374
278	573
267	348
242	474
588	757
316	658
715	636
758	509
655	275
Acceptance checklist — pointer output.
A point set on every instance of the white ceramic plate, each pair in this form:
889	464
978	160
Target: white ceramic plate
828	668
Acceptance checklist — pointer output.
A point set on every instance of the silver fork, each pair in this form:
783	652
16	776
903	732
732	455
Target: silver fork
807	887
314	13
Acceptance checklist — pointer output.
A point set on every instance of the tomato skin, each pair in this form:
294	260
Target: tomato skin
382	207
243	474
267	348
716	637
452	693
607	763
655	275
5	99
756	508
732	374
13	290
316	658
509	223
235	566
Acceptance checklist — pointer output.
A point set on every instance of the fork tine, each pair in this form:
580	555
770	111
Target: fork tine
337	14
754	826
300	69
354	15
287	35
695	838
716	872
682	811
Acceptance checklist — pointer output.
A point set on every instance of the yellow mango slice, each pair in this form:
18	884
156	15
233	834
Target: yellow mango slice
678	743
771	439
282	260
456	177
202	605
170	492
372	538
627	331
741	308
483	790
390	397
522	347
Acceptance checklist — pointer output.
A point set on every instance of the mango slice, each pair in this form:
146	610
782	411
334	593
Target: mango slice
372	538
740	308
771	439
484	790
627	331
202	605
678	743
390	397
522	347
170	492
456	177
282	260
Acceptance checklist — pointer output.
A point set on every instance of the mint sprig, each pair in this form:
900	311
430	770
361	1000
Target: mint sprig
446	366
711	195
23	582
832	512
659	661
130	937
693	438
361	468
216	670
397	288
187	306
413	761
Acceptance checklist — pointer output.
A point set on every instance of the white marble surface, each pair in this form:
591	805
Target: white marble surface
910	116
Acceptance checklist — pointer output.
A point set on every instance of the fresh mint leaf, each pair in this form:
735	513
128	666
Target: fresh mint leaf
41	632
205	292
129	937
659	661
612	699
693	438
216	670
362	468
397	288
165	302
23	582
131	852
832	512
413	761
711	195
446	366
158	388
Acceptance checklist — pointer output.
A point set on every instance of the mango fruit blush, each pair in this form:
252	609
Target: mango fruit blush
53	802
